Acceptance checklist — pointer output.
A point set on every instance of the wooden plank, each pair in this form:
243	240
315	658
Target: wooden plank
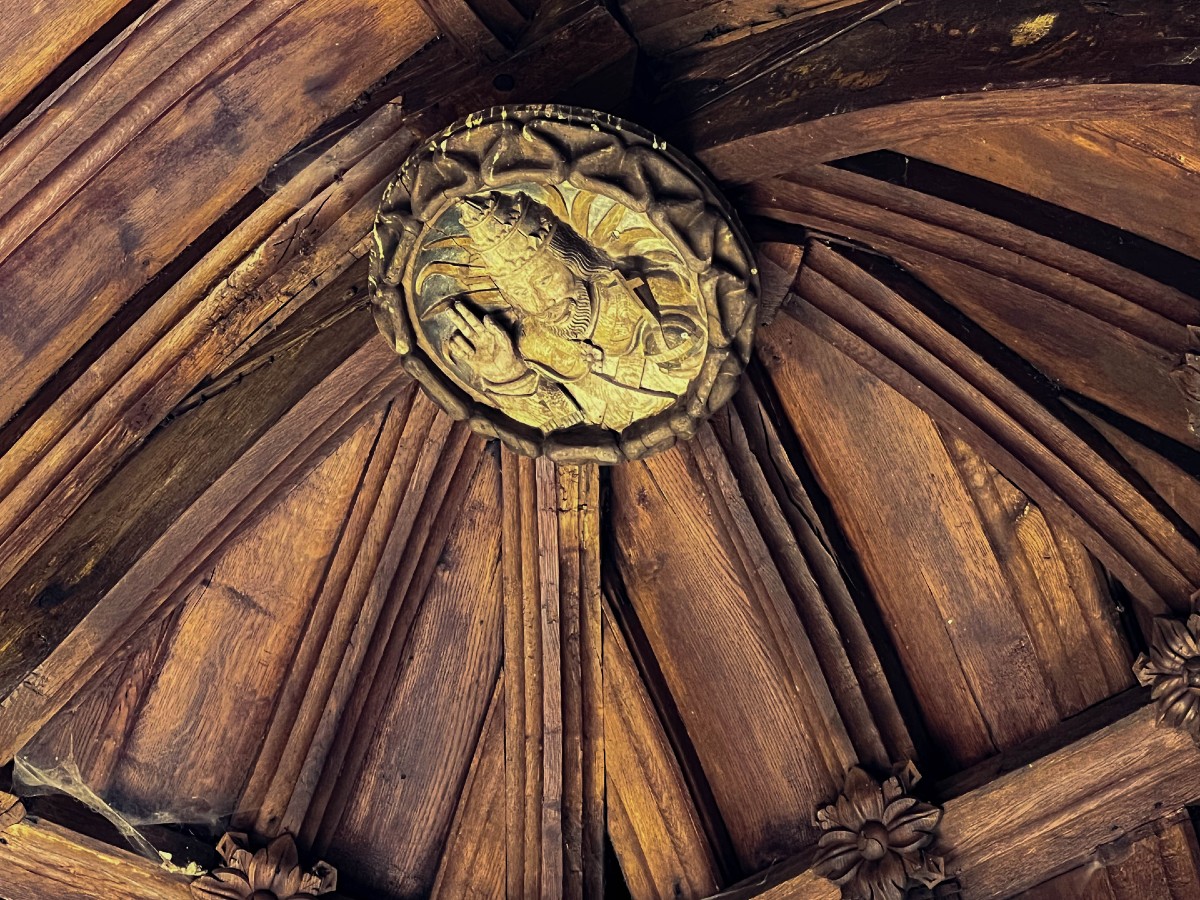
653	823
282	255
738	667
398	589
472	864
554	748
392	829
1015	430
914	527
816	579
1139	175
687	26
281	80
39	859
1102	330
1061	808
464	26
38	38
324	418
877	74
204	709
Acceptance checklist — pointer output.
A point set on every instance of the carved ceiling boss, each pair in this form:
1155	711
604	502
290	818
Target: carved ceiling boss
565	281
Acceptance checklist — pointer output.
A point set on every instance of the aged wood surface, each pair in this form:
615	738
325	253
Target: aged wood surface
473	863
1100	329
868	76
38	857
1138	175
653	823
1051	815
175	561
247	568
417	748
784	716
995	633
284	83
1161	866
1021	436
554	706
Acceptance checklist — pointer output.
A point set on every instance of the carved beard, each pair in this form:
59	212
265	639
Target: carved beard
579	325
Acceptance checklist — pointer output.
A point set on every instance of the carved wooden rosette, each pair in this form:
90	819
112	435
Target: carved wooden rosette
1172	670
587	152
877	840
273	871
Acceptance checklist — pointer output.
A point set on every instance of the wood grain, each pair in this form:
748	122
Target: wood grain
1099	328
259	95
702	589
473	862
421	745
554	748
815	575
1018	433
176	561
1044	819
37	38
37	857
1135	174
655	829
880	73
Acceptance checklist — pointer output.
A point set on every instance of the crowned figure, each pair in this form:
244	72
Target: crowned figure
566	333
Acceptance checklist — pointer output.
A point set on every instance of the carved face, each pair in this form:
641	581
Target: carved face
551	293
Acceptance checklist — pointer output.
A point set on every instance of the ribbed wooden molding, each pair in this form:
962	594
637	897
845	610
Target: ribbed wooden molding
554	749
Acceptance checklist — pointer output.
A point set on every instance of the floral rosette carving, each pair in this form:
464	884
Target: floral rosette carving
1172	670
877	839
272	873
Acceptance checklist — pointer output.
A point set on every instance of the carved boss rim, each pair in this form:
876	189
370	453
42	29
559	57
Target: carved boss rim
504	147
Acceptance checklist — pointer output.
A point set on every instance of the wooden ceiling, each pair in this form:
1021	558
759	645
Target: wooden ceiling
252	579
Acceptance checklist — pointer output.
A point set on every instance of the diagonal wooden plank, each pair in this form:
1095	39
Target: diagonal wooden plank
1101	329
655	828
309	431
1028	441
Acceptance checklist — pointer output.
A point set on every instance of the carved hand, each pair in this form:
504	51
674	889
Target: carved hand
483	348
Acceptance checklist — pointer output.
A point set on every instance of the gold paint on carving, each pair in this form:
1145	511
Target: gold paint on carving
563	281
557	314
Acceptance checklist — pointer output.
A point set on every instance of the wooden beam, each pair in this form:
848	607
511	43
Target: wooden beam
655	828
1098	327
554	756
874	74
1049	816
39	859
892	336
308	432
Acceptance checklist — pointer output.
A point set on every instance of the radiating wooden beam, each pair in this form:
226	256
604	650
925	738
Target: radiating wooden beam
324	417
39	859
554	703
1038	450
1098	327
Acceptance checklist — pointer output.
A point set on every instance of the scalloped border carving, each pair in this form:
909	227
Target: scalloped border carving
608	156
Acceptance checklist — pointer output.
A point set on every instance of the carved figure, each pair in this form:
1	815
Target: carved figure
557	332
564	281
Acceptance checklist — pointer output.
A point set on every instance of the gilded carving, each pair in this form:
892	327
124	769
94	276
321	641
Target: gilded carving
564	281
271	873
877	839
1172	669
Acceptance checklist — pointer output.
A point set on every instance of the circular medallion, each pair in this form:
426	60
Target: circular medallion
565	281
